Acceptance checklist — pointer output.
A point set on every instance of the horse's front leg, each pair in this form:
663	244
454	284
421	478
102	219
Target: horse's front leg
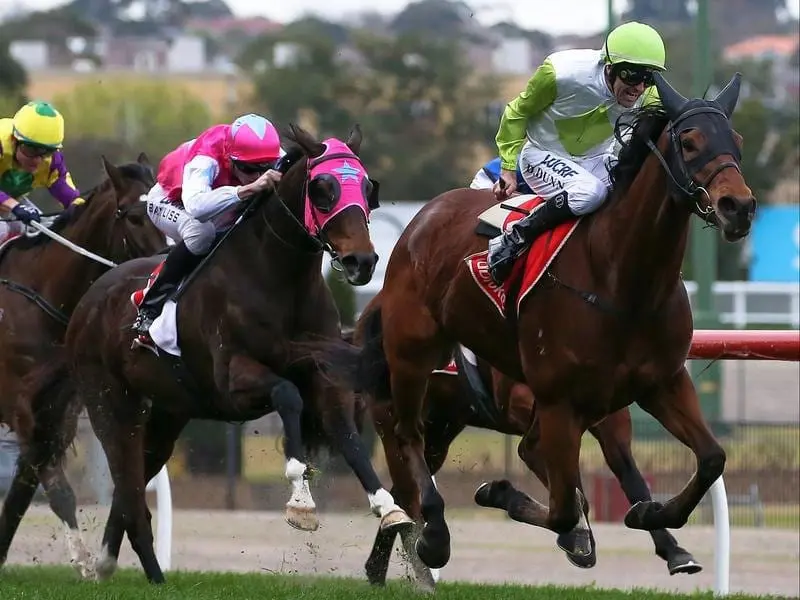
676	407
615	434
338	409
250	384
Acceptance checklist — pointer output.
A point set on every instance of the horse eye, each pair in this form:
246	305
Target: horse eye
688	145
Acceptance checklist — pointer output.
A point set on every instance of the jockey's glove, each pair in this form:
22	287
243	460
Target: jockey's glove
26	213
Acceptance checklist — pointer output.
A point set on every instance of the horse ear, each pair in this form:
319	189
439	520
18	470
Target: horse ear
354	139
671	99
306	141
729	95
114	175
143	160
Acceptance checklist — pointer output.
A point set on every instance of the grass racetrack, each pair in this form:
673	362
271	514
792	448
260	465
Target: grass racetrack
240	555
59	583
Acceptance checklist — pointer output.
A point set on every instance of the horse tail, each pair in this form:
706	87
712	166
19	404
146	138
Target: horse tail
355	360
374	368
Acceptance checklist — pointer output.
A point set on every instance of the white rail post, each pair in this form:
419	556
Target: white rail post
160	483
722	538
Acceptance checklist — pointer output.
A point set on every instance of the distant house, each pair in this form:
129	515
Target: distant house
783	54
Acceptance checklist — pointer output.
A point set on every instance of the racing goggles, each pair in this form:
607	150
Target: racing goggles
32	151
634	76
254	168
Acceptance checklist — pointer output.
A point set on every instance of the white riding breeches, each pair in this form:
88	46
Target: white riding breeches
585	180
176	223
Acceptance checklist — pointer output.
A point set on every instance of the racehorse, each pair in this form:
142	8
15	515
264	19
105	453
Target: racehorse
41	281
608	323
472	394
260	292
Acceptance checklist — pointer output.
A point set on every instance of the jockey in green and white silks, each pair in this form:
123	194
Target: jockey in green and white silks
561	129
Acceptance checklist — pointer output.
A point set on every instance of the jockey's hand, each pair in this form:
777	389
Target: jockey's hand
506	185
267	180
26	214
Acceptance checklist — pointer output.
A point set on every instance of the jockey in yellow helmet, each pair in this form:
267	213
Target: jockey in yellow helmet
30	157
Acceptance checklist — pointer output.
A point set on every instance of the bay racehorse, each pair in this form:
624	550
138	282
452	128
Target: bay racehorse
468	392
259	294
41	281
609	323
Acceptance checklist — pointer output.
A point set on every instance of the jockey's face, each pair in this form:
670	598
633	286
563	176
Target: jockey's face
243	177
29	158
628	83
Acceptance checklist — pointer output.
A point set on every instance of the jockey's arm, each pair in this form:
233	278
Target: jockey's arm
539	93
199	199
7	202
60	184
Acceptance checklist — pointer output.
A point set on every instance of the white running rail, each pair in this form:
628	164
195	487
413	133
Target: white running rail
160	485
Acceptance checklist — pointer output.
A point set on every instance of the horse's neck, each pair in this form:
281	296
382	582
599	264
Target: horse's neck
62	275
644	237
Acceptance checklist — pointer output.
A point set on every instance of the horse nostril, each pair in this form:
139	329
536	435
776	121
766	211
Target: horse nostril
727	205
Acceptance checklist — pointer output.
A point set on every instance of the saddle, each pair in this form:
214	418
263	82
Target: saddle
499	217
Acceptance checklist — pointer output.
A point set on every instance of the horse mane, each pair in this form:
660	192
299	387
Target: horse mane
133	171
643	124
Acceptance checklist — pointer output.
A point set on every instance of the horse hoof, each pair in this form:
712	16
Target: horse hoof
642	515
396	520
578	548
683	563
104	568
483	495
302	518
431	557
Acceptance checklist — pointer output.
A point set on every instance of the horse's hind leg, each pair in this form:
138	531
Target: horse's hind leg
521	507
614	434
413	349
163	430
118	417
16	503
676	407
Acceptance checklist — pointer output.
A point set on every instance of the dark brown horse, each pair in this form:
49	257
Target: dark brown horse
239	323
610	323
476	395
41	281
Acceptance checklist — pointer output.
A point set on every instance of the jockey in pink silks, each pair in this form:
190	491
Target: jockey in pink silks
198	184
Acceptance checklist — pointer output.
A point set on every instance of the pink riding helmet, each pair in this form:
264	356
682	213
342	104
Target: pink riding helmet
253	139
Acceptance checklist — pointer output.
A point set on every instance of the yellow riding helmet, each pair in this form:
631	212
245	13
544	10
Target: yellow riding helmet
39	124
637	44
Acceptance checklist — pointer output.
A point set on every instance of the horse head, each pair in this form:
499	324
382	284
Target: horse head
133	234
331	194
704	157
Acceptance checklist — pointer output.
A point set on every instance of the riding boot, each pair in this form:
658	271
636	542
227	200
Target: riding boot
179	263
507	247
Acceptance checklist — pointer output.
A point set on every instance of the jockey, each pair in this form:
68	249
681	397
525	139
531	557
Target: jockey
567	112
489	173
197	184
30	157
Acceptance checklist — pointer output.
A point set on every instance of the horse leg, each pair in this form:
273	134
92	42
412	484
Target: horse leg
412	352
118	417
248	382
676	407
16	503
559	434
345	438
614	434
162	432
521	507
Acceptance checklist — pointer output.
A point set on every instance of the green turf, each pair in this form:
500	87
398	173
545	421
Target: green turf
51	583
